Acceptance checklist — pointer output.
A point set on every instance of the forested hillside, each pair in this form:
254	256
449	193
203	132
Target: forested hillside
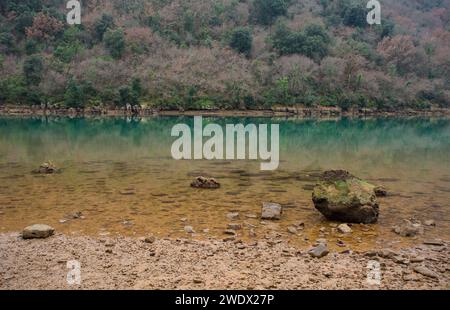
202	54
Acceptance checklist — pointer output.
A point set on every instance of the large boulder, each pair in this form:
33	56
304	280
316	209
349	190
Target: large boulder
343	197
37	231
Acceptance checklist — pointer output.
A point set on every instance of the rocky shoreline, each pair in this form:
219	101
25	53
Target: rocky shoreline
281	111
151	263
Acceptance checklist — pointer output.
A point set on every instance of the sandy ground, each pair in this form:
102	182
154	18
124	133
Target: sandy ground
131	263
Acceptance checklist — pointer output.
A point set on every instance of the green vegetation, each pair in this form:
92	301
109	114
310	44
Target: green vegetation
241	40
226	54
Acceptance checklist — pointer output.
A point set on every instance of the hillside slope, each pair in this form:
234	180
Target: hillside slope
201	54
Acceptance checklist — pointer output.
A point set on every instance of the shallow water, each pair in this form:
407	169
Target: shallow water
120	174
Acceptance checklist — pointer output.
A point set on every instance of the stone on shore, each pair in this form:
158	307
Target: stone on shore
343	197
292	230
426	272
429	223
208	183
37	231
319	251
271	211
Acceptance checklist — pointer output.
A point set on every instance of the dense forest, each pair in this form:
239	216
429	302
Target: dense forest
228	54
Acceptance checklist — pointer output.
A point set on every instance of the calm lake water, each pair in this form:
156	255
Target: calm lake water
120	174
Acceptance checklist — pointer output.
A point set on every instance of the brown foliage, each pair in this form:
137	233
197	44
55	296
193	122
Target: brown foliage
44	27
399	51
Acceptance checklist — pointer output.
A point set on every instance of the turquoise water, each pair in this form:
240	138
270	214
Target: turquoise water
119	172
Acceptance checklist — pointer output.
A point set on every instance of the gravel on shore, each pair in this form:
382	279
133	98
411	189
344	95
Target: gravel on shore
138	263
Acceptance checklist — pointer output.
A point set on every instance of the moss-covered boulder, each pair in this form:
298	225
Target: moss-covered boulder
341	196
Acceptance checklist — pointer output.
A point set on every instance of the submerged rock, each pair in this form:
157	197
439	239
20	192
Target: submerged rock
202	182
346	198
37	231
271	211
344	229
189	229
47	168
380	191
234	226
233	215
409	228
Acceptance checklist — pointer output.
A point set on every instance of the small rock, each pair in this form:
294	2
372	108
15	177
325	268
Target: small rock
340	243
206	183
47	168
319	251
321	241
228	239
230	232
241	246
386	253
189	229
271	211
150	239
426	272
252	233
251	216
437	242
206	230
409	228
233	215
410	277
234	226
197	280
400	260
37	231
292	230
300	225
74	216
380	191
109	251
344	229
429	223
417	259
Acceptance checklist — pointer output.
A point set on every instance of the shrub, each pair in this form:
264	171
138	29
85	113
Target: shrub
66	53
102	25
33	68
7	42
265	12
313	41
241	40
115	43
